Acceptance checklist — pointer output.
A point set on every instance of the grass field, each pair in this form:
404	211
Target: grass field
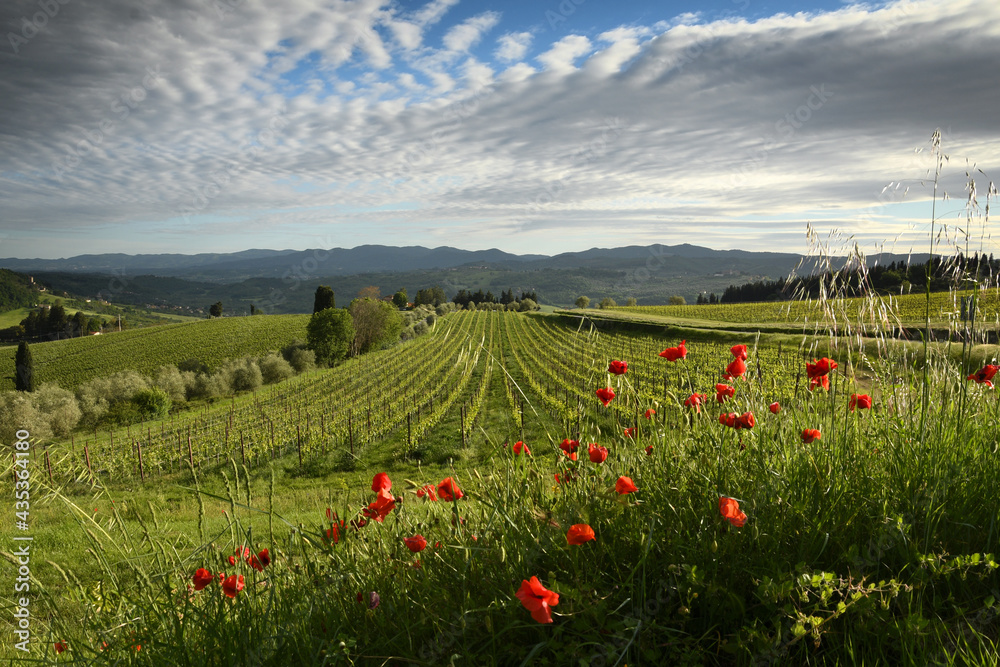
878	313
72	362
872	543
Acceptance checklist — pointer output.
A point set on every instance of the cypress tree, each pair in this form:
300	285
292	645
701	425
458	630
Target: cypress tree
24	377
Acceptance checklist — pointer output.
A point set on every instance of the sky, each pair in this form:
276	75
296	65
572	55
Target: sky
532	126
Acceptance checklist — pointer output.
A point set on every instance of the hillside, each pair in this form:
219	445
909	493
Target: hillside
16	291
72	362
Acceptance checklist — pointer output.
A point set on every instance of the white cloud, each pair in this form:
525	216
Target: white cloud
648	130
564	53
467	34
513	46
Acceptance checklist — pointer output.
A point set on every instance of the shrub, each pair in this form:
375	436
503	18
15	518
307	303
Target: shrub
303	360
173	382
526	305
244	375
420	328
152	403
18	411
274	368
59	407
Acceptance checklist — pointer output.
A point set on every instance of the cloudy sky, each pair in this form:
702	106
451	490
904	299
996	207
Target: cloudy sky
537	126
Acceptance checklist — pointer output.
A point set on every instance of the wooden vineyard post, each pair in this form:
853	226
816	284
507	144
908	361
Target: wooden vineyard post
138	449
368	436
409	440
86	456
298	442
350	429
48	464
190	452
243	452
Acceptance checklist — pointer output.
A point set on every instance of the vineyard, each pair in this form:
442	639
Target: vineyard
874	314
674	501
72	362
385	404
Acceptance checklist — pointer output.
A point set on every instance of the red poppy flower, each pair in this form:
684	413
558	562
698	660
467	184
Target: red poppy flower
232	585
724	391
819	381
649	450
597	453
333	532
260	561
246	554
427	491
625	485
569	446
618	367
606	394
675	353
862	401
202	578
649	413
985	375
520	448
379	508
358	524
695	401
415	543
572	456
739	351
736	368
537	599
630	433
381	481
728	419
810	434
821	367
60	647
579	533
775	408
448	490
730	510
745	420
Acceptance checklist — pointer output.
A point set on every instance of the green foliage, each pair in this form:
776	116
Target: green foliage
216	309
18	411
329	334
399	299
607	302
324	299
24	368
59	407
73	362
274	368
377	324
16	291
672	301
153	403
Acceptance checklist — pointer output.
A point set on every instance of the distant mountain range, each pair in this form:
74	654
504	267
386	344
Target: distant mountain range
286	279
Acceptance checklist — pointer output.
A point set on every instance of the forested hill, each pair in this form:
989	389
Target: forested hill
16	291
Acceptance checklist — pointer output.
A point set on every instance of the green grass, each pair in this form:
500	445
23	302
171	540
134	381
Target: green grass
873	545
880	312
72	362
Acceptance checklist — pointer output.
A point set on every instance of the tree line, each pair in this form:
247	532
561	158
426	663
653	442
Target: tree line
945	273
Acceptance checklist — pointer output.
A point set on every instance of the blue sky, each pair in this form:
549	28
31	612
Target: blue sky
147	126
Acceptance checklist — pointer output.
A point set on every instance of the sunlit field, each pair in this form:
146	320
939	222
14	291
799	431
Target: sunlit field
745	502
